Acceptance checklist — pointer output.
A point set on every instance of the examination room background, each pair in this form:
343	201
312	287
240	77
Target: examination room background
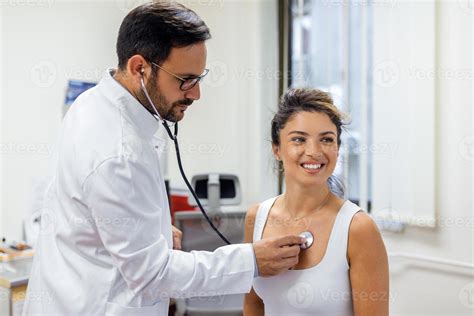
44	43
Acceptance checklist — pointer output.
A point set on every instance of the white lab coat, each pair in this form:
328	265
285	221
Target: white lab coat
105	245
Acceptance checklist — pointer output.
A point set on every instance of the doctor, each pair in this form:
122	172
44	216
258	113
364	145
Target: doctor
106	240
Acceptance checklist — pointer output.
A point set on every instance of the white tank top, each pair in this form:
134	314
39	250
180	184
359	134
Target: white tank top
322	290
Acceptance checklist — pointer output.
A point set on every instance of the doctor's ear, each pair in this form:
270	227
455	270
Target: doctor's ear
136	66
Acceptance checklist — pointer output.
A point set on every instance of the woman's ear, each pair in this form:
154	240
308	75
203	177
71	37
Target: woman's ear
276	152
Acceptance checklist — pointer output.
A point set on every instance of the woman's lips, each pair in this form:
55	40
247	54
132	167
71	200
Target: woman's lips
312	168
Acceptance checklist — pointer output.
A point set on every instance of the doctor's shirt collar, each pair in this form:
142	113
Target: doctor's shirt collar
117	94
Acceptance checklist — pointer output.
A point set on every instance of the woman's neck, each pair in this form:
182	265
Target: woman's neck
300	201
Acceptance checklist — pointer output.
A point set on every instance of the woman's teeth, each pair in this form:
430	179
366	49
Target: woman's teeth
311	166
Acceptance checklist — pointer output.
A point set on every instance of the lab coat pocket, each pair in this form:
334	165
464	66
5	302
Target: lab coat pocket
114	309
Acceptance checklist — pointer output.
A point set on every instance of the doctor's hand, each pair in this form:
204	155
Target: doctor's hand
277	254
177	235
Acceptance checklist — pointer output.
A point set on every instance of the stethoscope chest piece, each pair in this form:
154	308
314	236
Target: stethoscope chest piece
309	239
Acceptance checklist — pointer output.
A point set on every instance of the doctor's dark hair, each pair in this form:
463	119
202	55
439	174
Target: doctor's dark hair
152	29
294	101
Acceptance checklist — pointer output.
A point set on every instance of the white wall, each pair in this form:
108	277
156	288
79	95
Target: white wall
44	43
404	109
419	288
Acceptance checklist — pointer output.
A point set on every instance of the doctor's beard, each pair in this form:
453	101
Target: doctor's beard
171	113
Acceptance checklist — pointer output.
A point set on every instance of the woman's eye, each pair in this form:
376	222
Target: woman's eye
328	140
298	140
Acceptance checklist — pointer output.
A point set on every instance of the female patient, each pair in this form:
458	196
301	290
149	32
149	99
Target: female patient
345	271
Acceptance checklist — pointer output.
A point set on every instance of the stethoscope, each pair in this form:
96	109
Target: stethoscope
174	137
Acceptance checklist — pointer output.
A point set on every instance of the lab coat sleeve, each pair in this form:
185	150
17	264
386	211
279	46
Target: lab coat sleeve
122	196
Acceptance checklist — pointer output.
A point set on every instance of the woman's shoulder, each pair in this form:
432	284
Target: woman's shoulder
363	224
363	233
250	219
252	211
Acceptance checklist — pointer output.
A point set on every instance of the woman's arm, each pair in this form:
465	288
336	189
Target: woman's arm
253	305
368	267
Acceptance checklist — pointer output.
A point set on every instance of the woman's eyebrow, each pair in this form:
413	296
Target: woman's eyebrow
298	132
326	133
306	134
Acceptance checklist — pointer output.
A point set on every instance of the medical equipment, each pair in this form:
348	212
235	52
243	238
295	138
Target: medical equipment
309	239
174	138
216	190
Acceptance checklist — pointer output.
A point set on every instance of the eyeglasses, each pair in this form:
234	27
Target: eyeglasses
186	83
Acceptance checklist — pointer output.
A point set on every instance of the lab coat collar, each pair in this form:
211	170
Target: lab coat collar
121	97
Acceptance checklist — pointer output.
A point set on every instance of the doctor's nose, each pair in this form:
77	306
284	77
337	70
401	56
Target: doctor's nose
194	93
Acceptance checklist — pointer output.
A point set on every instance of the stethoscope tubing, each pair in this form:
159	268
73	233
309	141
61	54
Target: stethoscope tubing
174	138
